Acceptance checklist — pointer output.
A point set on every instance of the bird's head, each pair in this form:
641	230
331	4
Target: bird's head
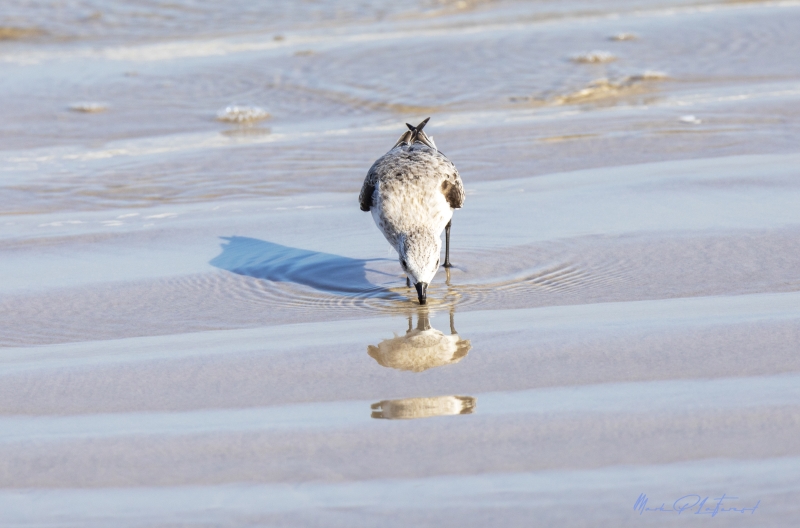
419	257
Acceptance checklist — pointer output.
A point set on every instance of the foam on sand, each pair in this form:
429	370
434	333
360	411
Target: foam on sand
601	89
593	57
89	107
242	114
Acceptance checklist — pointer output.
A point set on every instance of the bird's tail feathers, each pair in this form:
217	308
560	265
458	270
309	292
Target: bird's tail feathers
416	135
430	142
405	139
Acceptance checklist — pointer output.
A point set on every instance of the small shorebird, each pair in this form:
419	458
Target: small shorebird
412	191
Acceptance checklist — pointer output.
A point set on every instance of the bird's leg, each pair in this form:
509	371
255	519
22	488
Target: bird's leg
408	282
452	324
447	245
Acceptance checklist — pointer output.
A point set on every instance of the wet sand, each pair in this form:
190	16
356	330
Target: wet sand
199	326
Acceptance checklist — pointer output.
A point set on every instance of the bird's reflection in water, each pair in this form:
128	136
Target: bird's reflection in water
422	347
409	408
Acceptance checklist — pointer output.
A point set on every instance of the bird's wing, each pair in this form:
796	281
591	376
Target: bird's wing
452	187
368	189
373	175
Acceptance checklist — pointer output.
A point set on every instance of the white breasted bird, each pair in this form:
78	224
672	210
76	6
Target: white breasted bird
412	191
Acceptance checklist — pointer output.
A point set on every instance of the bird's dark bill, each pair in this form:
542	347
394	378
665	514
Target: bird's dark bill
422	292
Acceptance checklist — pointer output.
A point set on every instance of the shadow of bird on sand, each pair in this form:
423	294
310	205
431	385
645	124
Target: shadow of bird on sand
324	272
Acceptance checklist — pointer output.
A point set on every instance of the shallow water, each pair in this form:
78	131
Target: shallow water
200	327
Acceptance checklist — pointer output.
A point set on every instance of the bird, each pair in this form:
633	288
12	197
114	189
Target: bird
412	191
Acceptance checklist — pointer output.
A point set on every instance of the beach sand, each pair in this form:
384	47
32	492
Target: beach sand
199	327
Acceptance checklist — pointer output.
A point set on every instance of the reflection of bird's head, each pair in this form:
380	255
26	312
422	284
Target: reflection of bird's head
423	407
419	349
